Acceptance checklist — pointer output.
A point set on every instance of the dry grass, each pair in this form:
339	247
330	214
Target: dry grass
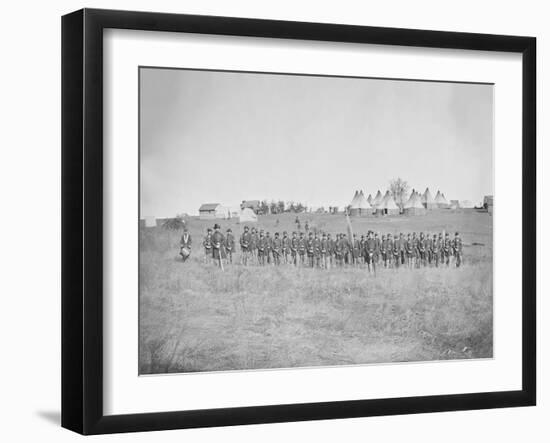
195	318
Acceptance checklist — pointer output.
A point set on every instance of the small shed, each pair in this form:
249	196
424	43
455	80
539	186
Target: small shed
210	211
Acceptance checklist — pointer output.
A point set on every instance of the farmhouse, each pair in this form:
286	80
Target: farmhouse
210	211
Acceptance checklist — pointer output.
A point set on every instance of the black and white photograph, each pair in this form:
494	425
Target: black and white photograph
293	221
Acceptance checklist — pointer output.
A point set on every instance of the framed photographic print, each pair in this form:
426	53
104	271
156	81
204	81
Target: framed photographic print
269	221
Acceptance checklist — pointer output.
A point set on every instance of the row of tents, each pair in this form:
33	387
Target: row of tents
416	204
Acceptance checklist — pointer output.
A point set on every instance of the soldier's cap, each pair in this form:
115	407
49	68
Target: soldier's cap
229	230
324	235
216	226
456	233
209	230
293	232
284	232
446	234
276	234
376	234
310	234
246	228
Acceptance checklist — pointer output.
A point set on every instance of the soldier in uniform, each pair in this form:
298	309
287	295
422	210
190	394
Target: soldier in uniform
309	248
339	250
384	251
276	249
330	251
229	245
347	249
409	251
378	244
218	245
401	248
362	249
324	251
285	247
207	244
245	242
429	247
441	248
447	249
302	249
355	250
416	253
294	248
396	252
317	250
422	249
370	248
457	248
254	237
262	249
436	250
185	244
269	242
389	250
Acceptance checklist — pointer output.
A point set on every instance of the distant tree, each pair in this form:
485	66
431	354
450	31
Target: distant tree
399	189
335	209
299	207
274	208
281	206
264	207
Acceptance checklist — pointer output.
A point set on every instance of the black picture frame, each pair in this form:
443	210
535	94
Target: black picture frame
82	220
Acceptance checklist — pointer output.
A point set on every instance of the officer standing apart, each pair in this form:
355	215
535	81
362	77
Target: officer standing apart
185	244
218	245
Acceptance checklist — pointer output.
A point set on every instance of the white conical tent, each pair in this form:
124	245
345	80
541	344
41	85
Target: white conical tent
387	205
354	199
427	200
247	215
370	199
410	201
378	199
440	200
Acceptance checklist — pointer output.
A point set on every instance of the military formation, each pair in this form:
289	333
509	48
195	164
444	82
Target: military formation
325	251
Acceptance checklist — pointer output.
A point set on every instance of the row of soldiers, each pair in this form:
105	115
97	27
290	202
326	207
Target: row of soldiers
325	251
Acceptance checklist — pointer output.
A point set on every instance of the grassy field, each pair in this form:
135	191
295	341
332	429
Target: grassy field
193	317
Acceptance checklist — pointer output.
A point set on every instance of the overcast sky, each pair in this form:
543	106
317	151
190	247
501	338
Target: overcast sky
221	137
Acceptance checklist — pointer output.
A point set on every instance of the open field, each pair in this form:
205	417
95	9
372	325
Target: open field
193	317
